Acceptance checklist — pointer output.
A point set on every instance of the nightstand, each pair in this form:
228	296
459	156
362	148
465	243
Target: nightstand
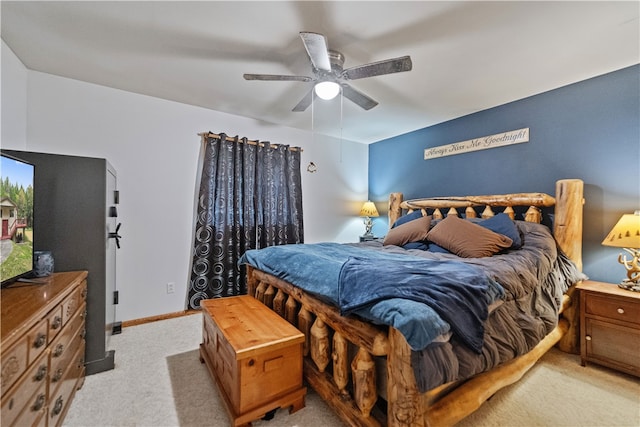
610	326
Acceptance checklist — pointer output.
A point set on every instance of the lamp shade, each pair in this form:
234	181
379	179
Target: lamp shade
626	232
327	90
369	209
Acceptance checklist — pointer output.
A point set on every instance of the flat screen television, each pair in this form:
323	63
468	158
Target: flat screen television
16	213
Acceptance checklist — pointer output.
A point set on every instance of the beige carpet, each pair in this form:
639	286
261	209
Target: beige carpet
159	381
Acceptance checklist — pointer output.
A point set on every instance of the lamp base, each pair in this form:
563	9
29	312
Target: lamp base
630	285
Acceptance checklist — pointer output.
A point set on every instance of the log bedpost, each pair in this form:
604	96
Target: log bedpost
567	223
567	229
404	408
395	211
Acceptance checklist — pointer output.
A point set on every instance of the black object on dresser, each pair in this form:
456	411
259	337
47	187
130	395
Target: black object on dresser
75	216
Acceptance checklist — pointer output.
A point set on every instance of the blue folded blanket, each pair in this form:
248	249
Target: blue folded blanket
458	292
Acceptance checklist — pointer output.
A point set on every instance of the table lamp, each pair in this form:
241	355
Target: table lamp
626	234
367	211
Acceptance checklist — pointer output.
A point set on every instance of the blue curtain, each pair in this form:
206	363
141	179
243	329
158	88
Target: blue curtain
249	197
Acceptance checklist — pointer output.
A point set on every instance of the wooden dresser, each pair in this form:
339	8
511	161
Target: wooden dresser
254	355
610	326
42	350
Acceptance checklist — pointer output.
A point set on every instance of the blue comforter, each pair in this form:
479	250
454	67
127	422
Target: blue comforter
422	298
458	292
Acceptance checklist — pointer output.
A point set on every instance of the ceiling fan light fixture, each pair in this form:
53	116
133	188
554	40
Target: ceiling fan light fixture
327	90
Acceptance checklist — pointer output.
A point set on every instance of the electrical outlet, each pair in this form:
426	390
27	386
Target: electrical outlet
171	287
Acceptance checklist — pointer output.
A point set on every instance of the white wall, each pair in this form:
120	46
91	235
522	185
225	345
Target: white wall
13	107
154	146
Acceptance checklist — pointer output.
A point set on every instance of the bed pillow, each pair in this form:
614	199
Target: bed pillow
437	249
466	239
423	246
503	224
406	218
412	231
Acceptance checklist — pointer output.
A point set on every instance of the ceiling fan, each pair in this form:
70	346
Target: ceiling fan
328	73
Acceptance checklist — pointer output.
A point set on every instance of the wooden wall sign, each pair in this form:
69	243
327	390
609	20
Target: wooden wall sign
482	143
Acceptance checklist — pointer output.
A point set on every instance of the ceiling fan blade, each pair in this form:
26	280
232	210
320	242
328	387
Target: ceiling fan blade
316	45
357	97
304	102
276	77
389	66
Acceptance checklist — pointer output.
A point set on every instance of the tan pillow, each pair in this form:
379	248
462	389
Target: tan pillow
412	231
467	239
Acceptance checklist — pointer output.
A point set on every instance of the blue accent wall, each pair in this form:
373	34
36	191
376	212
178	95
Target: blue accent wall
588	130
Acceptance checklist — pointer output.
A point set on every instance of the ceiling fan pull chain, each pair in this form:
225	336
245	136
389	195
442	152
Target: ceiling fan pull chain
313	113
341	117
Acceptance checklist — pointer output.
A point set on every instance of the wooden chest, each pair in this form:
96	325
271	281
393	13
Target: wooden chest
254	355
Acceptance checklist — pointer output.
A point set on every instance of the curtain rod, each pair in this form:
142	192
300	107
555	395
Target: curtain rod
232	139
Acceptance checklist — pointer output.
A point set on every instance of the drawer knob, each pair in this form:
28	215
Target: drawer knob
588	338
57	408
621	310
57	375
42	372
58	351
40	341
57	322
39	403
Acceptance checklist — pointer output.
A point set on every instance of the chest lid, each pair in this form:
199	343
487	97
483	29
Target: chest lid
249	326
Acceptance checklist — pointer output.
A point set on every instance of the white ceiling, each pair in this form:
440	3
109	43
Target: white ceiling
467	56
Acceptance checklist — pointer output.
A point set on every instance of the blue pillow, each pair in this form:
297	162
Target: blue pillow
416	245
437	249
406	218
502	224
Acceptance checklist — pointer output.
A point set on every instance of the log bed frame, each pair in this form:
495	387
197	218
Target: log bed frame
348	384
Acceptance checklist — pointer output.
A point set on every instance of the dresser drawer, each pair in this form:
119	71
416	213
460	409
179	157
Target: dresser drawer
35	412
37	340
55	323
14	363
30	391
610	307
73	302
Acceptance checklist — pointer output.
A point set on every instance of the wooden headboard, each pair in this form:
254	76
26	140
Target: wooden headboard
567	203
